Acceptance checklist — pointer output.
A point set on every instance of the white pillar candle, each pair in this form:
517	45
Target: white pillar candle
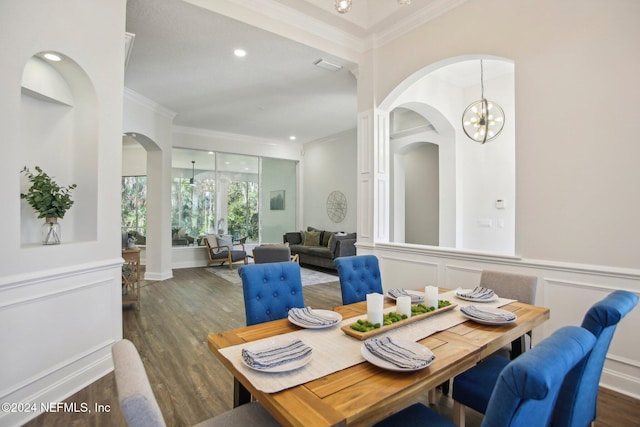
431	296
403	306
375	303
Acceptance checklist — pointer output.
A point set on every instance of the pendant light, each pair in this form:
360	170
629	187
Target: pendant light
483	120
343	6
192	181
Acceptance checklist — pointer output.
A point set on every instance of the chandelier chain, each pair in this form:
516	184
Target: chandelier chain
481	80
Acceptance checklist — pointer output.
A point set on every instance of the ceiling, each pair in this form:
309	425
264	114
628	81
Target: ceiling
182	59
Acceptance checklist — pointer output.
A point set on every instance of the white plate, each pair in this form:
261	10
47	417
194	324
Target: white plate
490	322
418	294
381	363
264	345
336	317
466	291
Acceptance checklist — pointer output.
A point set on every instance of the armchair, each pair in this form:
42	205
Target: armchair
273	253
221	251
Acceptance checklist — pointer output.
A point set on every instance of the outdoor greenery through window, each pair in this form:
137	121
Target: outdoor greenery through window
214	193
218	193
134	204
243	210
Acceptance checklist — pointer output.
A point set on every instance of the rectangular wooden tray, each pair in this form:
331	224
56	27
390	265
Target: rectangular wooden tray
365	335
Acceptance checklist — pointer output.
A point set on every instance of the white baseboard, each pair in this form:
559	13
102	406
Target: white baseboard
40	393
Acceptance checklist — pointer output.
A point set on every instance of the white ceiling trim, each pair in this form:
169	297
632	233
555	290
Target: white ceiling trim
422	16
304	22
288	18
148	103
232	137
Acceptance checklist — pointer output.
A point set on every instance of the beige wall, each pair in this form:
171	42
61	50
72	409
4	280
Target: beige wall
576	87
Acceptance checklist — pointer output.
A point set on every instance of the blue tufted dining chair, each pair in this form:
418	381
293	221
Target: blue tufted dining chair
577	401
359	275
527	387
579	394
270	290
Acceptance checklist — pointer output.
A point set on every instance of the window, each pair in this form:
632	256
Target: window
192	208
134	204
242	210
225	193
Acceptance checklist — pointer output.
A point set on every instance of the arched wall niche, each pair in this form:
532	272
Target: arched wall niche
427	108
59	133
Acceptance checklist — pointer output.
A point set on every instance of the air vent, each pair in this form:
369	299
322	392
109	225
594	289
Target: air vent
327	65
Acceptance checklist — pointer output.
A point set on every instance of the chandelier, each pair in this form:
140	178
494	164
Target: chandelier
343	6
483	120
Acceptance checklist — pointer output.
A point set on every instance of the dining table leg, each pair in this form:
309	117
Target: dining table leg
240	394
518	347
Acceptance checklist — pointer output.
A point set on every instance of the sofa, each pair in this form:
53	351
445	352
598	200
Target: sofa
319	248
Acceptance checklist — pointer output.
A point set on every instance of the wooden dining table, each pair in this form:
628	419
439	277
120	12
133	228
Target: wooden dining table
363	394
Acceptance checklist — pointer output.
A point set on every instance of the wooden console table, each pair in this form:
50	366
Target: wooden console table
131	277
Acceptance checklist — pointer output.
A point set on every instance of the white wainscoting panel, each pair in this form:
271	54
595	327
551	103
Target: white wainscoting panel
57	332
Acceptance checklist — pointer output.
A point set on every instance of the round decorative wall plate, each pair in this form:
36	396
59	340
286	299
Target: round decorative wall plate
337	206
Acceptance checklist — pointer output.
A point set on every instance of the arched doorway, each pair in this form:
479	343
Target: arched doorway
476	183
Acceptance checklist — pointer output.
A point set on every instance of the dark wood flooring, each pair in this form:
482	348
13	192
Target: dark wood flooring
170	332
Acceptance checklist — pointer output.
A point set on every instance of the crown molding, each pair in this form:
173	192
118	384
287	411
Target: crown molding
411	22
292	18
145	102
290	23
305	22
233	137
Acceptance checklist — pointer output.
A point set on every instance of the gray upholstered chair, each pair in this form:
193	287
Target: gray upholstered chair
139	405
272	253
513	286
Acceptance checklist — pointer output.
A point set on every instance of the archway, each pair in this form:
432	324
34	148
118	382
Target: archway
476	182
141	156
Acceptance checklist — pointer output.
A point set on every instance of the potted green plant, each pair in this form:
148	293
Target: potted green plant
49	200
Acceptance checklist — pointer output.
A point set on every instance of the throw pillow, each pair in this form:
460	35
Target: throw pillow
211	238
324	238
330	240
225	240
312	238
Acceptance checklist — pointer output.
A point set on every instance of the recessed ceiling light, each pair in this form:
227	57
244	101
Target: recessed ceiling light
240	53
210	152
52	57
292	137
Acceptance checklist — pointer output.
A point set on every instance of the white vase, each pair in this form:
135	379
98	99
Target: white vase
51	232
